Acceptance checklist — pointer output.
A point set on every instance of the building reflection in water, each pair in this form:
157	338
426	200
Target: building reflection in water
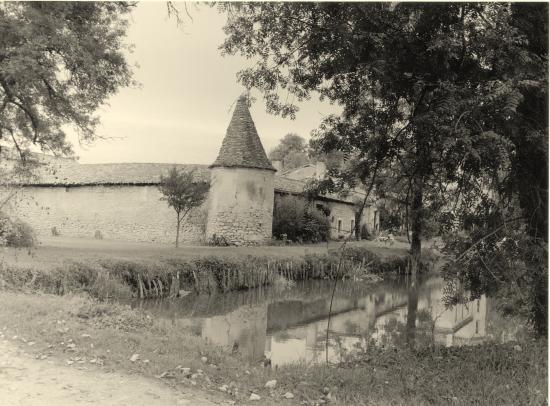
291	326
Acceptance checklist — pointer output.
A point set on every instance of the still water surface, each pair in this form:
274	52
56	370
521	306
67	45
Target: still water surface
289	325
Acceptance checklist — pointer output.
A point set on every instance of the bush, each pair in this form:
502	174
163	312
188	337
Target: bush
299	221
389	219
16	233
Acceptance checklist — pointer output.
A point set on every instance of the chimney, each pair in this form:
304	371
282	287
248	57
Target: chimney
320	170
277	164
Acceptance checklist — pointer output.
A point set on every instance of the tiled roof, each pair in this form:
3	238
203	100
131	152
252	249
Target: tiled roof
241	146
74	174
295	186
287	185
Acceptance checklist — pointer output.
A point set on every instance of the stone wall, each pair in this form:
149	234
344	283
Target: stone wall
131	213
240	209
346	213
340	212
240	205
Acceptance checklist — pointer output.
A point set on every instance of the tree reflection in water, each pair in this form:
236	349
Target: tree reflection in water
290	326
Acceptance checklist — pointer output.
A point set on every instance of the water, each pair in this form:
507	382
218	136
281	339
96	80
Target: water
289	326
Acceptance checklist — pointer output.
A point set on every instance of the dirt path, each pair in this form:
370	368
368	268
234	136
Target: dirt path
25	381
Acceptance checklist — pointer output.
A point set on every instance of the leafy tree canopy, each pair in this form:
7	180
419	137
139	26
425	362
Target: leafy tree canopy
425	88
292	151
59	62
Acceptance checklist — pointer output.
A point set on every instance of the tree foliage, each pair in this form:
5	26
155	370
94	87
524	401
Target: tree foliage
298	220
444	104
508	259
292	151
183	193
423	86
59	62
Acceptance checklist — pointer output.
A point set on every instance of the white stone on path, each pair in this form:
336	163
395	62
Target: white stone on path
134	357
288	395
253	396
271	384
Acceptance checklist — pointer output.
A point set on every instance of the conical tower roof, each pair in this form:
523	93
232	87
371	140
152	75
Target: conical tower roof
241	146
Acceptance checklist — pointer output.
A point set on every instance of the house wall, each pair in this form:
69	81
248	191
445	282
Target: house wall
240	205
131	213
346	213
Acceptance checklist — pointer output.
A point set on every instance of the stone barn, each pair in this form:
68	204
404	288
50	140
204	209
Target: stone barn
121	201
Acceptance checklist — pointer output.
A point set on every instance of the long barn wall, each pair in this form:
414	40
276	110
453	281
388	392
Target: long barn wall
131	213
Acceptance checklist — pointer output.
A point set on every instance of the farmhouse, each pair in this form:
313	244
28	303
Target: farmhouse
121	201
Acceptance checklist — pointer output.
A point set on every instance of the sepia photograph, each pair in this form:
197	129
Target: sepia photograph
273	203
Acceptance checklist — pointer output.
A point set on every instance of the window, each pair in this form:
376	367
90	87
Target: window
477	327
478	305
332	219
339	225
352	226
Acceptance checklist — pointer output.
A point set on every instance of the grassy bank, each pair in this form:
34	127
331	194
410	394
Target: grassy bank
79	331
53	251
122	278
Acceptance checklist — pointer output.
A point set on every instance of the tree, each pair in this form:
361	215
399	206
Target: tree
183	193
422	86
59	62
291	151
505	252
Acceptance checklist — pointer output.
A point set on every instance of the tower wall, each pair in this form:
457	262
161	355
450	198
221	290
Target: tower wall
240	207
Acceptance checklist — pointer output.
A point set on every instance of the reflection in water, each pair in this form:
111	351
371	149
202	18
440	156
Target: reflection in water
290	326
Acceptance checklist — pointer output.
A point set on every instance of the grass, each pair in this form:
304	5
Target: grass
122	278
110	334
53	251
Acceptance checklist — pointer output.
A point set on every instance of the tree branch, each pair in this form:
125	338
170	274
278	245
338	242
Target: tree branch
496	230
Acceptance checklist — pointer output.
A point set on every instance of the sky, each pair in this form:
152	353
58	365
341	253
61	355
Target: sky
181	110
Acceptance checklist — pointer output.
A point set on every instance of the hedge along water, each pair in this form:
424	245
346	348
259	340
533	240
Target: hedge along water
116	278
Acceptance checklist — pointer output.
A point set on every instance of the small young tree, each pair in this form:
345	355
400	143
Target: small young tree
182	193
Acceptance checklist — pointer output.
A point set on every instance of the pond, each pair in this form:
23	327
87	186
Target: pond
289	325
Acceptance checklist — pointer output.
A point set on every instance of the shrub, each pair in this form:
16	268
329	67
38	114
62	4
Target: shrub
218	241
299	221
16	233
389	219
316	225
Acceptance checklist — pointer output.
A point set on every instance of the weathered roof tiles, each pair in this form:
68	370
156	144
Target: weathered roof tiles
241	146
74	174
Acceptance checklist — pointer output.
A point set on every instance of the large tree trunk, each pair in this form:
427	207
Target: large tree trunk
412	308
416	225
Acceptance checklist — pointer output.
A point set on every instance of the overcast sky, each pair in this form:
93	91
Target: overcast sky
181	111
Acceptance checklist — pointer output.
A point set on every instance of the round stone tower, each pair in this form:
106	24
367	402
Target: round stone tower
240	208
